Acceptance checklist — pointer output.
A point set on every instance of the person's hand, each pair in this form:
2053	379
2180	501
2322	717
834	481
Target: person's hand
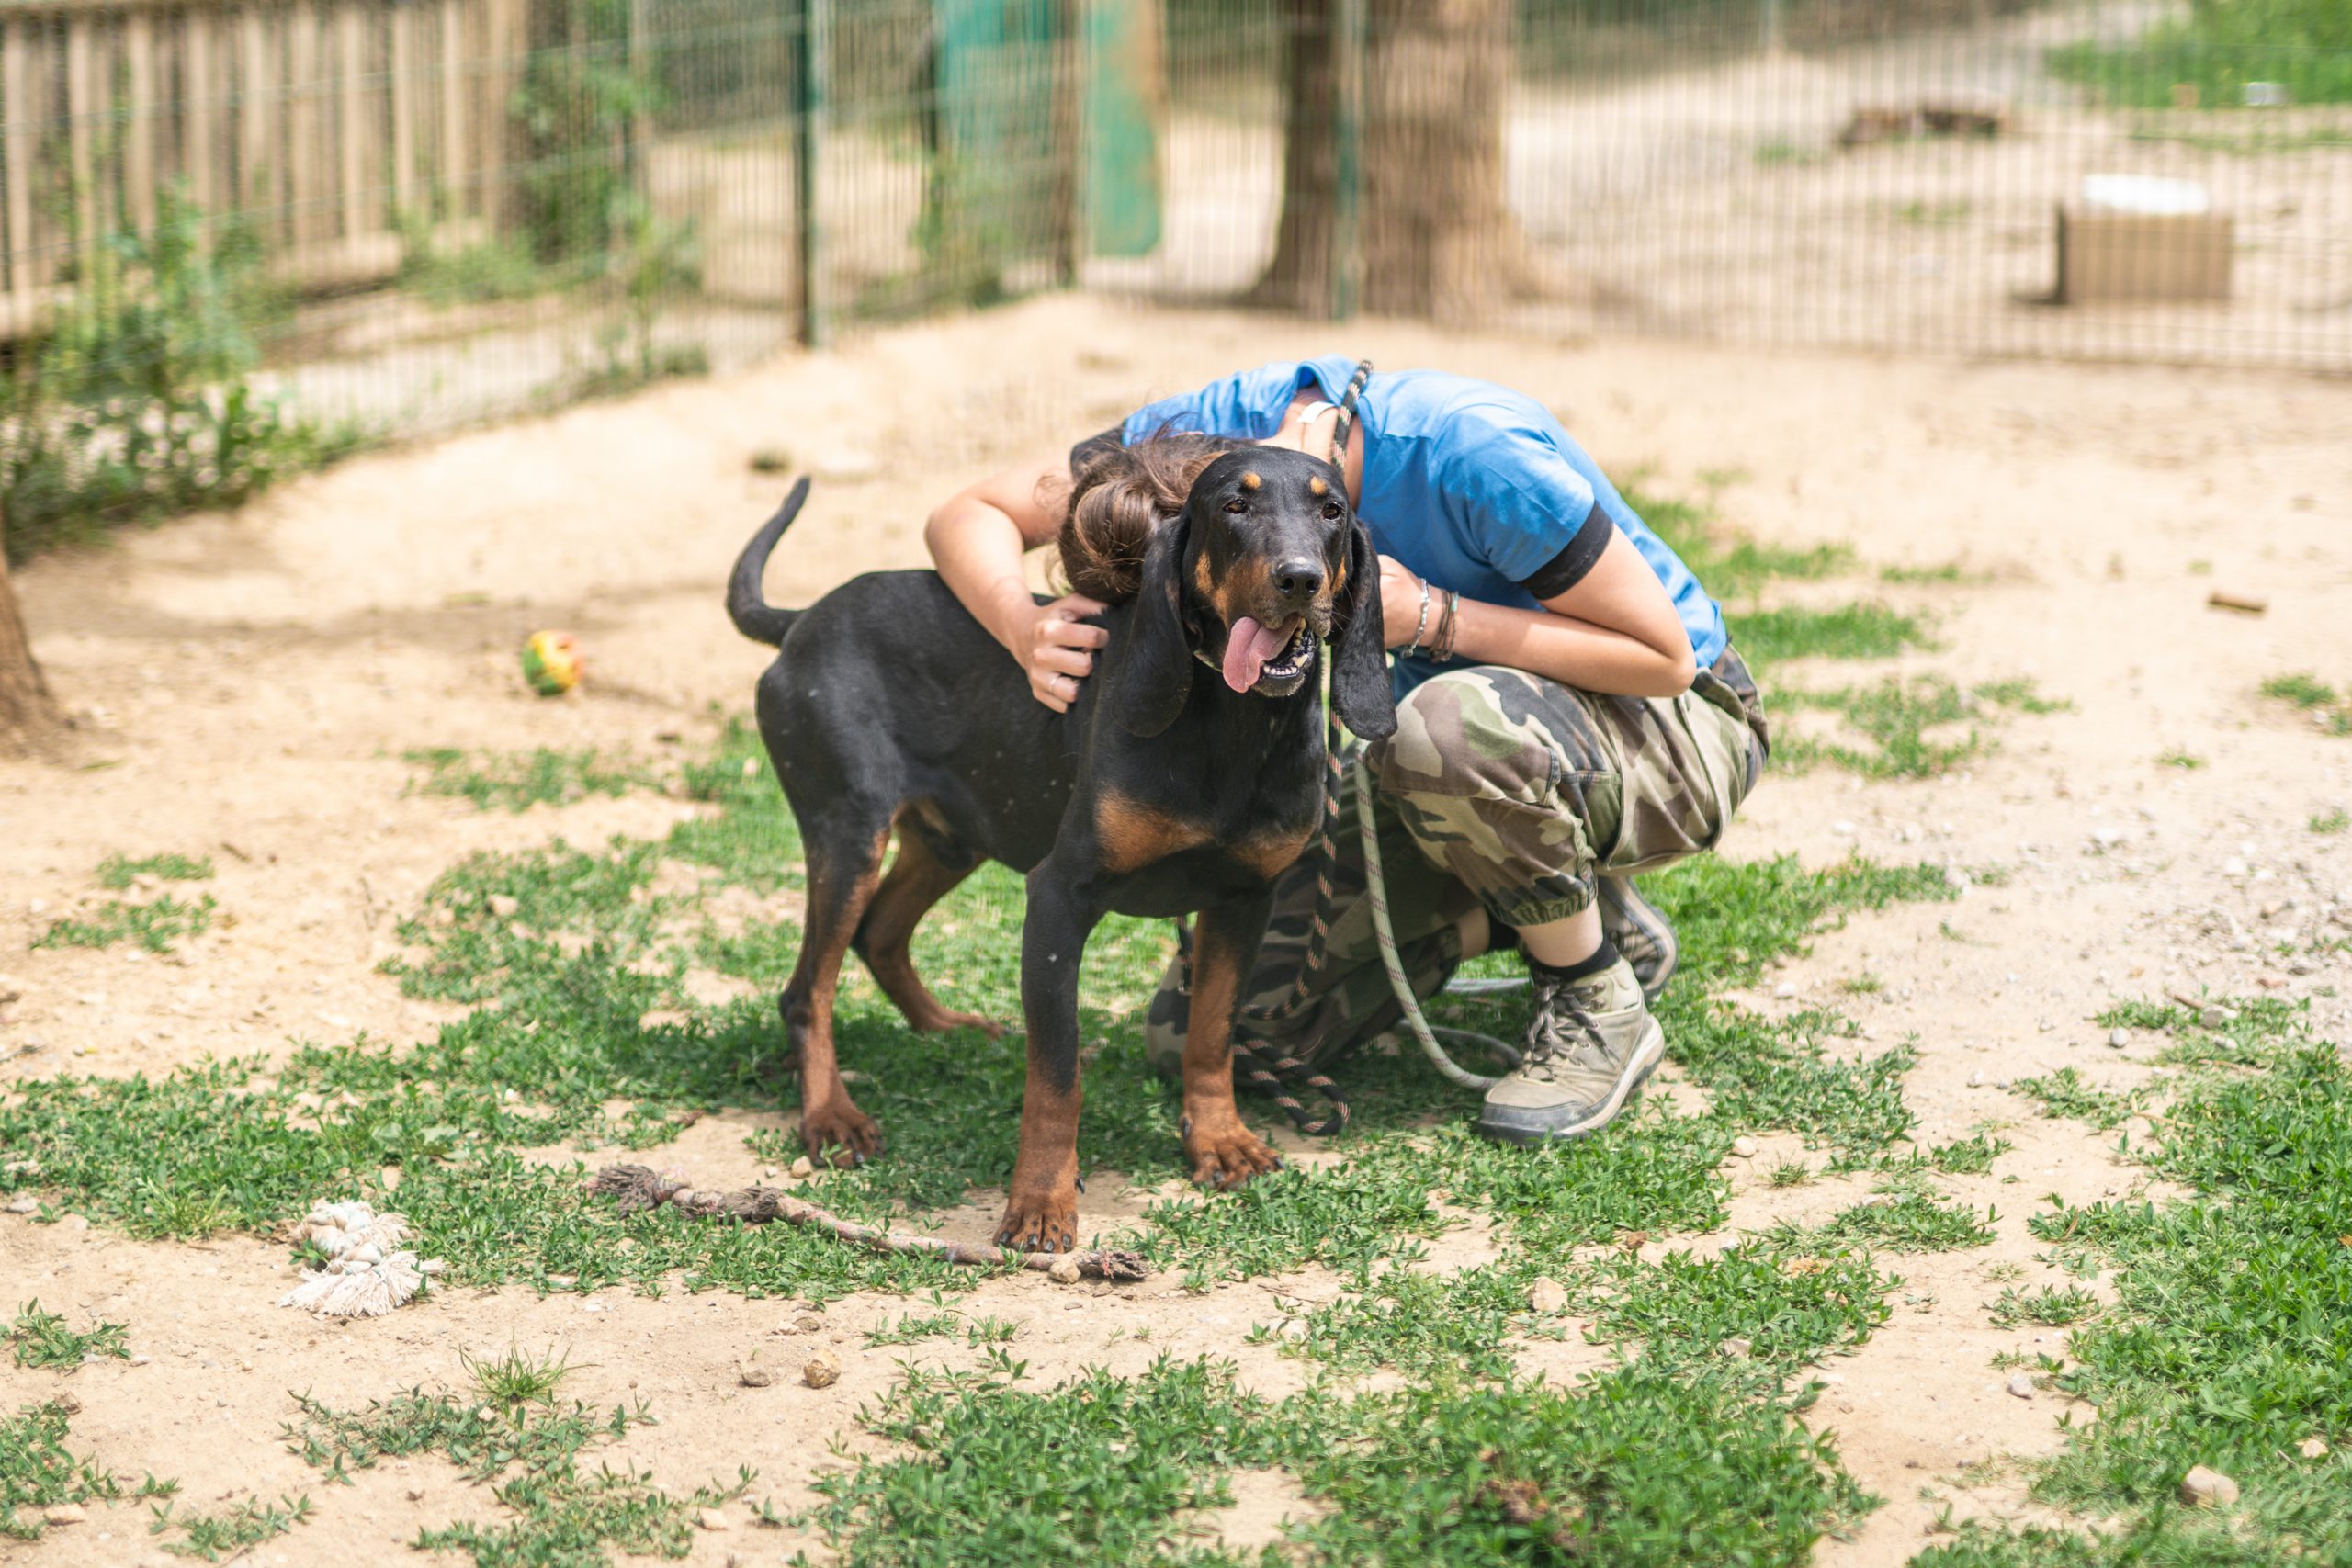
1057	647
1400	606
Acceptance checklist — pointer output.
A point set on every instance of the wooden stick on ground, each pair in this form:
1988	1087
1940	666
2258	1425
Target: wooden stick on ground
638	1188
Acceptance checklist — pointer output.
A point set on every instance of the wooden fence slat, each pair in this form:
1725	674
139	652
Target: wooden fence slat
140	120
402	86
305	128
20	45
199	102
83	129
353	93
454	167
259	105
502	45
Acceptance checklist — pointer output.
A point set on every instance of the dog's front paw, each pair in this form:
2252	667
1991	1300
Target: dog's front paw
1043	1222
838	1133
1228	1155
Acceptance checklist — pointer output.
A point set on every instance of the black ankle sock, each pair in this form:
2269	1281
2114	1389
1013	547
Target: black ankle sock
1602	958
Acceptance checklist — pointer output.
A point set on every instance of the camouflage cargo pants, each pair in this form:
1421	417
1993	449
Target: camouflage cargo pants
1504	791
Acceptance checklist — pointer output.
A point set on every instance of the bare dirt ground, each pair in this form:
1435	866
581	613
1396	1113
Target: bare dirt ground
245	686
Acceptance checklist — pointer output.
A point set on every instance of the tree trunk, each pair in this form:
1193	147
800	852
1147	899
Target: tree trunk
28	717
1439	240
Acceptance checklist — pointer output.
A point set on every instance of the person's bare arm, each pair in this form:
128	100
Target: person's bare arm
1614	631
977	537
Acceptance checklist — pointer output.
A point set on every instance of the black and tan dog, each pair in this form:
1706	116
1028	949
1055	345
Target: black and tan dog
1186	776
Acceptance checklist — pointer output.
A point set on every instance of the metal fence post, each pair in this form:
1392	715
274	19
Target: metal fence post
1347	139
808	150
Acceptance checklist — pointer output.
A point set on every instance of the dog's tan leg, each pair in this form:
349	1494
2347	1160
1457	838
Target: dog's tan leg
916	881
1224	1153
838	896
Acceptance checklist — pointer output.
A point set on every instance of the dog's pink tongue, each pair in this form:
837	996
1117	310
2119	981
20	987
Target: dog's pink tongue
1247	647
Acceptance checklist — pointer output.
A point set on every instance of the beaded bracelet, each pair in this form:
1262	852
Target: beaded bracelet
1448	628
1420	624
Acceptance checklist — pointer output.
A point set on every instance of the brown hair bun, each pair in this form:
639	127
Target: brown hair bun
1117	500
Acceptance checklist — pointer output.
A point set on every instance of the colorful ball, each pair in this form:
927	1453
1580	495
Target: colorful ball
552	662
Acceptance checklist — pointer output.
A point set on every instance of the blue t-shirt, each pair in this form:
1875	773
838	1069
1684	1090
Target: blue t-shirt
1472	486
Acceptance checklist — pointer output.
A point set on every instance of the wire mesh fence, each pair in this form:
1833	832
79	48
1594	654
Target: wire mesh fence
239	236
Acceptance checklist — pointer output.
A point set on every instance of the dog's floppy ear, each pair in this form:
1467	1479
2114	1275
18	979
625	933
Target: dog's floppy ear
1360	694
1155	674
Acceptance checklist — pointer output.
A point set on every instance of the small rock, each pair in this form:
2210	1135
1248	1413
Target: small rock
1743	1147
142	1360
2234	866
753	1377
1295	1329
1976	1080
802	1169
1784	990
1738	1345
65	1514
2312	1447
808	1322
2216	1017
1064	1272
505	906
2204	1488
1547	1295
2021	1386
74	1222
824	1370
2106	836
27	1204
1842	828
713	1519
416	1493
2119	1038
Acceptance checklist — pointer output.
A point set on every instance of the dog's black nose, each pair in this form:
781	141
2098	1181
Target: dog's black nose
1298	579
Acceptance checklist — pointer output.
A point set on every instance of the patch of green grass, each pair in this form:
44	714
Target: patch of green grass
2179	757
507	1432
1640	1468
37	1471
1730	564
1766	637
2213	49
2227	1343
1774	153
517	1379
1949	573
1865	984
1913	1222
229	1534
41	1340
517	781
2333	820
1792	1306
2314	696
1933	214
1969	1156
154	925
2054	1306
1895	717
2067	1093
1426	1326
117	872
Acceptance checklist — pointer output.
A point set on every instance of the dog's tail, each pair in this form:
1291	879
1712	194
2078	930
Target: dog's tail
746	605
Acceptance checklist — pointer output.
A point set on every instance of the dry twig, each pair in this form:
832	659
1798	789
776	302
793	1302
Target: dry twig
637	1188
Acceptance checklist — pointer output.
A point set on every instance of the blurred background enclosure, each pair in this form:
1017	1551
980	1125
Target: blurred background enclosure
241	237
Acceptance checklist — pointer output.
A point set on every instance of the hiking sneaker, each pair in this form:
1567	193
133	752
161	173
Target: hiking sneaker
1639	931
1590	1046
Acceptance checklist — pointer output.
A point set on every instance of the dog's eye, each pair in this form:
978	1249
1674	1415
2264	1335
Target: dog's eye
1330	511
1237	506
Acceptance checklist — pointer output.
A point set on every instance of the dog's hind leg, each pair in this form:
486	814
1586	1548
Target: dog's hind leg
844	865
928	866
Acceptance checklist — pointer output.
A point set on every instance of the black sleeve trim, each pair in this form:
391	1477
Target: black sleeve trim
1095	446
1567	569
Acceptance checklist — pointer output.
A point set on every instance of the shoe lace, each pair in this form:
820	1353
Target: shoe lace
1560	1026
